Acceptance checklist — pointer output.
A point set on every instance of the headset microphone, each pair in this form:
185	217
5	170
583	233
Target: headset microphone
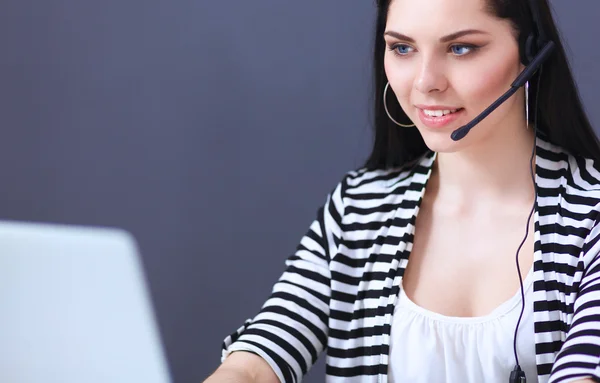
525	76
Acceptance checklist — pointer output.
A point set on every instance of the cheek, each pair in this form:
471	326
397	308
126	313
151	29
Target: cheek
485	83
400	78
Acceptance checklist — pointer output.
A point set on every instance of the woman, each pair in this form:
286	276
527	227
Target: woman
466	307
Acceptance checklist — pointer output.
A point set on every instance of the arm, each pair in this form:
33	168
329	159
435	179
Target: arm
290	331
243	367
579	357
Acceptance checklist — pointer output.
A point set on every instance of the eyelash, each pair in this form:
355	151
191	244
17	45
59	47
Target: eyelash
472	49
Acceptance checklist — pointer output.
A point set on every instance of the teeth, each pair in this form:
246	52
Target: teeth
438	113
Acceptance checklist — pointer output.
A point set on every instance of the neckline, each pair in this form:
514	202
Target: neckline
417	177
427	161
502	310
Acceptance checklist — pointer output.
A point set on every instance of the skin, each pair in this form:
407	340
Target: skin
470	179
243	367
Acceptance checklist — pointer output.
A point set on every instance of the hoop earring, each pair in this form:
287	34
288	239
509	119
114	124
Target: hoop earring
527	105
388	112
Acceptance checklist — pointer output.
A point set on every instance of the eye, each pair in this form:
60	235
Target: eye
462	49
401	49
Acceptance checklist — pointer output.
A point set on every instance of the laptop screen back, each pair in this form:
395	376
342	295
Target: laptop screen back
74	308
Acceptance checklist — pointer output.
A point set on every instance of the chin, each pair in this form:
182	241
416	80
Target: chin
441	142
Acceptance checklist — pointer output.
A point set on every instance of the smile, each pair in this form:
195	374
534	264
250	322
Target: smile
438	118
438	113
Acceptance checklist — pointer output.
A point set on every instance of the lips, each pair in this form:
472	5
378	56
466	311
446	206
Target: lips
438	121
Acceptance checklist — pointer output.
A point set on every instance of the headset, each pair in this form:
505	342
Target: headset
534	50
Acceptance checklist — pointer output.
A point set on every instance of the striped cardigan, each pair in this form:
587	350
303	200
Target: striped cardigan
339	288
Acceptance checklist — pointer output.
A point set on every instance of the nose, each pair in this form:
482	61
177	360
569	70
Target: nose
431	77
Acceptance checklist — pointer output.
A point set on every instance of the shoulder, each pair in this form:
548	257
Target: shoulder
383	184
582	195
569	187
367	198
576	177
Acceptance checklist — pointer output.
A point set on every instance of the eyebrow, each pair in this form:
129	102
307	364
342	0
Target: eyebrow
445	39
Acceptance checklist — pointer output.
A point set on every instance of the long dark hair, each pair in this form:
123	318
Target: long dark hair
561	115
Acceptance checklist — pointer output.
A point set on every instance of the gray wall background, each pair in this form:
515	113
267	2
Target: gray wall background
211	130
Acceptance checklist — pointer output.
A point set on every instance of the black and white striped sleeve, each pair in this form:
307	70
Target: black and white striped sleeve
290	331
579	356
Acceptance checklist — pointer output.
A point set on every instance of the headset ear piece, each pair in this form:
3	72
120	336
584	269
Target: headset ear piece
527	48
531	47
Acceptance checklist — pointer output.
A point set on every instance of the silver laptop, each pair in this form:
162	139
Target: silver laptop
74	308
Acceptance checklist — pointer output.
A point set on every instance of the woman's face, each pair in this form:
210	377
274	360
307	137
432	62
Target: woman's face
451	55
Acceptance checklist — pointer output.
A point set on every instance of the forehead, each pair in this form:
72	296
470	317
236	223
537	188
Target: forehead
440	17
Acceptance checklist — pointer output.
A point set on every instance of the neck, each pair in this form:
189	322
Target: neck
495	170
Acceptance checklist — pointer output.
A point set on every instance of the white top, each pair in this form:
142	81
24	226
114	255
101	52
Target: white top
427	347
